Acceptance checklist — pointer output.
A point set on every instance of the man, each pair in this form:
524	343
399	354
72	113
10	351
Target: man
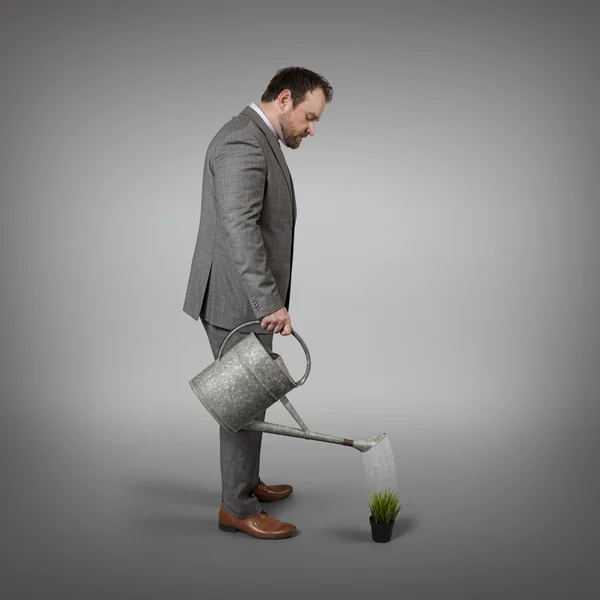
242	263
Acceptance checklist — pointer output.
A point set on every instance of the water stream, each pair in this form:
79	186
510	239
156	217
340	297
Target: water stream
380	468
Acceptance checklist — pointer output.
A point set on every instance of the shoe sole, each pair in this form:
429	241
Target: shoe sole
272	499
232	529
267	499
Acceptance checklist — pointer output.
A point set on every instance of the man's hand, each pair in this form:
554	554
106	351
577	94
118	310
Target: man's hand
278	321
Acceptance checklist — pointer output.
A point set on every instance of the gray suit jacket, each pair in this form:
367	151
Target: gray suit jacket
242	263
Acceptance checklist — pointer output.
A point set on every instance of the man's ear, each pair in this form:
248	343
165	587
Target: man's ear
284	100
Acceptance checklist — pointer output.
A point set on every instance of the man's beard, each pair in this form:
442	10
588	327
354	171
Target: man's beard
287	135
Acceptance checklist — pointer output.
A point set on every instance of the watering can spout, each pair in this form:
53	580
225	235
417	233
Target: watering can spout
361	445
368	443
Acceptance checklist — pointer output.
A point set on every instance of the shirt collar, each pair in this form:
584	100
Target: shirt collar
265	119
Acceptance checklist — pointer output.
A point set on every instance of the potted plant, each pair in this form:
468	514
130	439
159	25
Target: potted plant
385	506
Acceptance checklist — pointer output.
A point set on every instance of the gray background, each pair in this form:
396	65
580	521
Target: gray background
446	281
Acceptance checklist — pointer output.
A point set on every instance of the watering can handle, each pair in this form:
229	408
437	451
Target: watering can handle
258	321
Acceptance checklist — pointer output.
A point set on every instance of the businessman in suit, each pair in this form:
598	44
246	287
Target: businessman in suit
242	263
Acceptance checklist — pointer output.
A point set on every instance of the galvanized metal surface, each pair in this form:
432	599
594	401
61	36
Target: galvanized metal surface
361	445
246	380
293	412
242	384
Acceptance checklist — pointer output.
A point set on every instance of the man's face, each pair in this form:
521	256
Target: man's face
297	123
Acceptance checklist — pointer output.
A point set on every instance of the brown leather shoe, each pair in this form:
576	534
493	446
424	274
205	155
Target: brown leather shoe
259	526
272	493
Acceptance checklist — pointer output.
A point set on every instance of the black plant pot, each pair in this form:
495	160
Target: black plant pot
381	532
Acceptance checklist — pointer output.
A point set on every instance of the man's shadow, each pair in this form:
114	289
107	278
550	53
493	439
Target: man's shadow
170	492
176	508
173	508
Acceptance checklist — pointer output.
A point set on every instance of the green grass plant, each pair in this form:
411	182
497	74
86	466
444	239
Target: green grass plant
385	506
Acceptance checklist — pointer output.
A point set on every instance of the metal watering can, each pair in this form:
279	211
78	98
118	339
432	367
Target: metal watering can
247	379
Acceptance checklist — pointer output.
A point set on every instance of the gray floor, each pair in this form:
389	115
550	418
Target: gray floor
137	519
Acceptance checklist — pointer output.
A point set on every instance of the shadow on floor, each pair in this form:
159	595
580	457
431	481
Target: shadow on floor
177	524
173	508
170	492
164	507
356	534
192	526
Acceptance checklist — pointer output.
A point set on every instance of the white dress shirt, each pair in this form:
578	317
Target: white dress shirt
265	119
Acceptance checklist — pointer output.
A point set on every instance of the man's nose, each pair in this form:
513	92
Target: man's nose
311	129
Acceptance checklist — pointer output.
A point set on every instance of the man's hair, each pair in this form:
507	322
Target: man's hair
299	81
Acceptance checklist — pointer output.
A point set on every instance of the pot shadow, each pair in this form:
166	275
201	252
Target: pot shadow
352	535
402	527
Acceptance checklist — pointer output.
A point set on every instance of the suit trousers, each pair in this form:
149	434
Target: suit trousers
240	451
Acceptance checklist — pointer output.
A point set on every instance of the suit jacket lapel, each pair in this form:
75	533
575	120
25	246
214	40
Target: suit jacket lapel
274	143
